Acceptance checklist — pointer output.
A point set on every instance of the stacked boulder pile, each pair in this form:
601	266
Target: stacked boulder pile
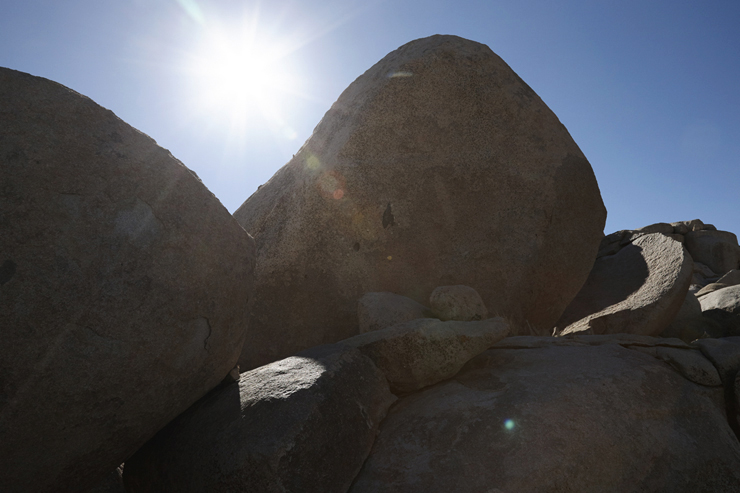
394	332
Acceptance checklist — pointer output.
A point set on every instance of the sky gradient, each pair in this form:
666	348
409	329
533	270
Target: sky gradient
648	89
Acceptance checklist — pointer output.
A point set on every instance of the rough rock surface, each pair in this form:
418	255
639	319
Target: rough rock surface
305	423
724	353
637	290
689	324
423	352
112	483
124	287
438	166
578	419
457	303
723	306
377	311
719	250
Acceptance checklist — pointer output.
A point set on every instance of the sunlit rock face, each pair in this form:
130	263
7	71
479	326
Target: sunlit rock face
123	287
438	166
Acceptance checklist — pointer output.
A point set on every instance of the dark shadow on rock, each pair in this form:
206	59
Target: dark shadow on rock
612	280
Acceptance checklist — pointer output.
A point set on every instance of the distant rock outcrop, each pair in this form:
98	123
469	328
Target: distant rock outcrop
438	166
124	288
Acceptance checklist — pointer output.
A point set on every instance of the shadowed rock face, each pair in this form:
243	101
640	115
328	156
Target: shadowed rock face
305	423
438	166
123	287
574	418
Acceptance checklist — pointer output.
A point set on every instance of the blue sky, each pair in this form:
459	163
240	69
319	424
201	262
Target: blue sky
648	89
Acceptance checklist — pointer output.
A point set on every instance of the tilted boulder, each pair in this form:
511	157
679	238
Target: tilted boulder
457	303
305	423
638	290
124	287
438	166
552	419
377	311
423	352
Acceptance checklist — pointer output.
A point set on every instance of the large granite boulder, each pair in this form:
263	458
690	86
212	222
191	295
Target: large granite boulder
305	423
123	288
577	416
637	290
438	166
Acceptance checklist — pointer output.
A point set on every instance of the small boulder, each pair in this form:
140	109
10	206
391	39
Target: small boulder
457	303
719	250
377	311
423	352
305	423
637	290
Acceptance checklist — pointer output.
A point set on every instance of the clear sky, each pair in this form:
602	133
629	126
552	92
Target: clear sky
649	89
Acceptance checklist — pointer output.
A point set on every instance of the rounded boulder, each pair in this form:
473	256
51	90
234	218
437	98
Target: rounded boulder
438	166
123	287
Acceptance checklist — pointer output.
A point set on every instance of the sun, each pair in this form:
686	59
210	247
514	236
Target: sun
241	75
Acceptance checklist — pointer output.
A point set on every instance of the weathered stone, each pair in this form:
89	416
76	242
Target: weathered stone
638	290
457	303
736	392
438	166
626	340
711	288
124	287
664	228
704	270
724	353
112	483
688	324
575	419
305	423
683	227
691	364
423	352
717	249
613	242
732	278
380	310
723	306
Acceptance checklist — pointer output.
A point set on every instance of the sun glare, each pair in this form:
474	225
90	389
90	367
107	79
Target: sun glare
238	74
